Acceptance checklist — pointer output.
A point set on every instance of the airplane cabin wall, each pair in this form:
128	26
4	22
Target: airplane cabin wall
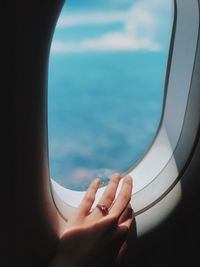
34	217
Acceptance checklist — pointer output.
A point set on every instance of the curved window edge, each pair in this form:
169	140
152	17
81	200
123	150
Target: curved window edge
178	128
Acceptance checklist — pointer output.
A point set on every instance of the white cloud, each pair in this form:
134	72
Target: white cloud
115	41
91	18
141	24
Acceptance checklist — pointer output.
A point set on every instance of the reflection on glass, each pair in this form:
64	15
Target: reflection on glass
106	82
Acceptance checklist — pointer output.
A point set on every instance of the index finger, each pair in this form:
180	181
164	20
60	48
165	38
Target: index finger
88	199
123	198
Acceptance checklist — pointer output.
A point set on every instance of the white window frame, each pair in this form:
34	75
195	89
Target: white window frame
160	169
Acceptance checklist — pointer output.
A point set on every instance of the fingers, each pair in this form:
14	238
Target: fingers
125	221
107	198
119	227
123	198
108	195
122	252
89	198
126	215
116	242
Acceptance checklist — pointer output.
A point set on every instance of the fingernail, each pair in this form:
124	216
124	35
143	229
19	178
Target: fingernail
128	178
95	182
118	175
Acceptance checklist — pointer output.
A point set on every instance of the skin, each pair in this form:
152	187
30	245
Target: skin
92	238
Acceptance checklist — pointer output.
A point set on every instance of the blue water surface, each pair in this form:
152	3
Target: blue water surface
104	111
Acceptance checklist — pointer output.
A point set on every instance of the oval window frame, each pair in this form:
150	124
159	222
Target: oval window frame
171	138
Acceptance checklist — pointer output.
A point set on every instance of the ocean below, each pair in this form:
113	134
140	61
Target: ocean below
104	110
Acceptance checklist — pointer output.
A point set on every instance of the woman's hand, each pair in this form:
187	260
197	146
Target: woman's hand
94	238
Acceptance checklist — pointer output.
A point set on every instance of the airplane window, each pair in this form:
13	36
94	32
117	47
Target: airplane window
106	82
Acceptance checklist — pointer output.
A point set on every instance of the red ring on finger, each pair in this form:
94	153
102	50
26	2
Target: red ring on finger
104	210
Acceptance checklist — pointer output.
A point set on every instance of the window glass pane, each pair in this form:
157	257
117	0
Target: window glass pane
106	81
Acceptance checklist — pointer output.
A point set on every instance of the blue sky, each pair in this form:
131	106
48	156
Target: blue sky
116	25
106	82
